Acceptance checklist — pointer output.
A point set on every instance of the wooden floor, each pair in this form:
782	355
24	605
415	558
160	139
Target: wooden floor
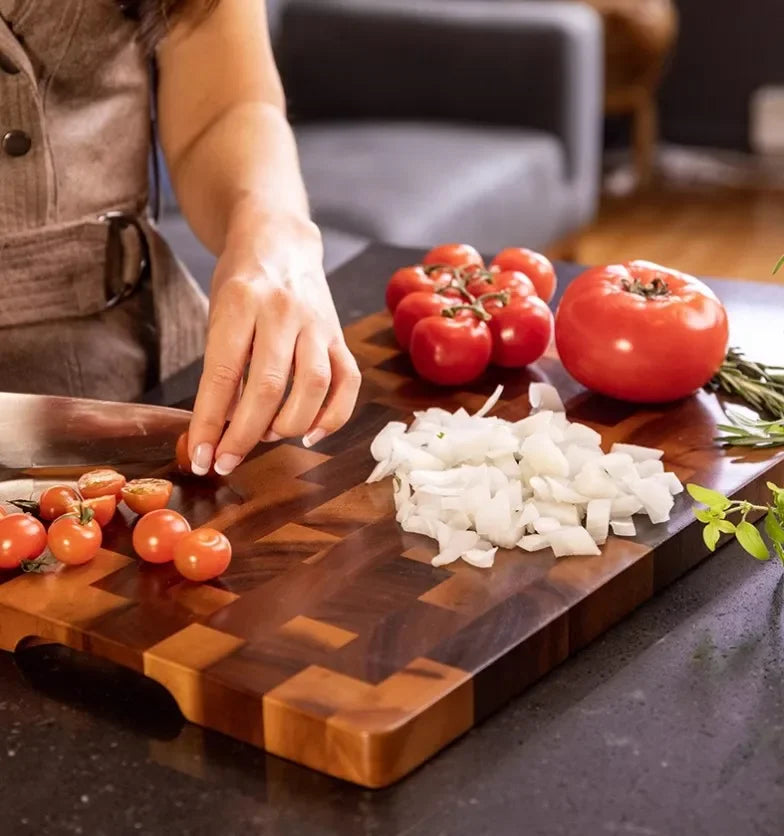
707	231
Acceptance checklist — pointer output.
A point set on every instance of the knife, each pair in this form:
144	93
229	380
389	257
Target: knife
45	432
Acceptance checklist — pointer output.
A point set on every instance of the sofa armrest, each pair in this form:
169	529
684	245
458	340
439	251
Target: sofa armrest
532	64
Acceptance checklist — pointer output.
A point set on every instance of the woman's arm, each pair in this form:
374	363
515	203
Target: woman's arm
234	166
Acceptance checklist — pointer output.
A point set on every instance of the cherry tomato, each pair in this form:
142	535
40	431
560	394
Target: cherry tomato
514	281
451	352
156	535
22	537
640	332
521	331
103	508
202	555
181	455
454	255
414	307
100	483
408	280
75	538
56	501
145	495
537	267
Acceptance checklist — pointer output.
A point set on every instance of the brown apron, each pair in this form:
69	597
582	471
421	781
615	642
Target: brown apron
92	301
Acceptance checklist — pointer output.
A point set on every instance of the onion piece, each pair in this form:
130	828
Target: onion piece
624	506
565	513
544	455
533	543
655	498
544	396
546	525
639	454
671	482
583	436
381	448
597	519
649	467
490	402
481	558
623	528
572	540
594	483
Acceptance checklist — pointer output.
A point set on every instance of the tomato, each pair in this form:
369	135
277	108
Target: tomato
414	307
145	495
181	455
408	280
103	508
521	331
640	332
202	555
514	281
451	352
100	483
56	501
22	537
156	535
75	538
454	255
537	267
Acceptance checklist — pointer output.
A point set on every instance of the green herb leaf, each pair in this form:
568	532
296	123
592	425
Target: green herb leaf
713	499
440	435
779	265
773	528
725	526
751	540
779	549
704	516
711	534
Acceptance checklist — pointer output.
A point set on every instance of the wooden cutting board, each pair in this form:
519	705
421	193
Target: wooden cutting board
331	640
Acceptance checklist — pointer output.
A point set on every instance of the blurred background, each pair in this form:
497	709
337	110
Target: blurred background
593	130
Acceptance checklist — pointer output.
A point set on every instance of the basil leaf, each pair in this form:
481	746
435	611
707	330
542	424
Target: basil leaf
704	516
751	540
773	528
711	534
725	526
713	499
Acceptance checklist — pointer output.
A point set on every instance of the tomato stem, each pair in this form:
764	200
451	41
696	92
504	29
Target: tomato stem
657	289
29	506
475	308
501	296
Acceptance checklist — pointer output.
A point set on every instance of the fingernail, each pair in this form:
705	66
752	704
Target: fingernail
271	437
226	463
202	459
313	438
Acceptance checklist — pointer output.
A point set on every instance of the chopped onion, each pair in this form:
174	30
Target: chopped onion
538	483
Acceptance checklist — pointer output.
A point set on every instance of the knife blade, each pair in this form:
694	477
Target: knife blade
49	432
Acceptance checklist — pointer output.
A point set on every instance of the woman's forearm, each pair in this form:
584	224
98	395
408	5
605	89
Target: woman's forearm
245	159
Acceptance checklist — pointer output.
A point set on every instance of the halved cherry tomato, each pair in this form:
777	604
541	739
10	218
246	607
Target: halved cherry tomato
451	351
56	501
100	483
521	330
514	281
454	255
155	535
75	538
103	508
414	307
145	495
537	267
202	555
640	332
22	537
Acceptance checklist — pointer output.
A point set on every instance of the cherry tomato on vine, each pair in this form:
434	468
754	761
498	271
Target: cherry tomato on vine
56	501
517	283
75	538
521	330
454	255
202	555
145	495
537	267
640	332
414	307
451	351
22	537
156	535
408	280
100	482
103	508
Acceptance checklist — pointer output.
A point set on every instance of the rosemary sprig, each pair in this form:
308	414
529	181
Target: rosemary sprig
759	385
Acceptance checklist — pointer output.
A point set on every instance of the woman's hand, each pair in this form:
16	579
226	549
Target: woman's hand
271	312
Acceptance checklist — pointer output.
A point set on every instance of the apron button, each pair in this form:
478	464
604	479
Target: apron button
7	65
16	143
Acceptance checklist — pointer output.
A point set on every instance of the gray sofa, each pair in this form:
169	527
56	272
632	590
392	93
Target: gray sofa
422	121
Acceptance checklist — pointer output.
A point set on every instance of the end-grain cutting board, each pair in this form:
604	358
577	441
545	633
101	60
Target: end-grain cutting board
332	641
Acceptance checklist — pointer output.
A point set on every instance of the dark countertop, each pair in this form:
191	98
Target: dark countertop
671	723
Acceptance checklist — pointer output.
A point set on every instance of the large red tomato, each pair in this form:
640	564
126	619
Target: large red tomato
537	267
640	332
521	331
451	352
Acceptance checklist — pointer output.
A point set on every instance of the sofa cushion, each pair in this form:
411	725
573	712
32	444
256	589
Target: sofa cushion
417	184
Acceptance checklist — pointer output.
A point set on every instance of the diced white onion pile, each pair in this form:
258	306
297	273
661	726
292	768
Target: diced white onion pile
476	483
